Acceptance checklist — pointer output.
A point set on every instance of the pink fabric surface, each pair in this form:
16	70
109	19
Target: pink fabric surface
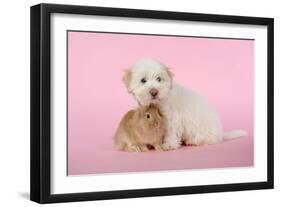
219	69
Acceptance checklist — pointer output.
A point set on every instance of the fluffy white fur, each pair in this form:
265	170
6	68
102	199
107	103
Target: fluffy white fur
190	118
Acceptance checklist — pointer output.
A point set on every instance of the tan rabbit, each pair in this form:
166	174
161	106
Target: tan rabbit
140	128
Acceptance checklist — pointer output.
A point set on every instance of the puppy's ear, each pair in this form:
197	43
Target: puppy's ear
170	73
127	78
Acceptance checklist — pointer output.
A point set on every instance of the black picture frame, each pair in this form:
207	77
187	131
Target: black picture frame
40	184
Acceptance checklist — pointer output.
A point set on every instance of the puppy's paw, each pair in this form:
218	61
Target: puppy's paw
187	143
169	146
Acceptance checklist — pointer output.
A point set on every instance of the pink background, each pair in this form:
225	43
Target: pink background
219	69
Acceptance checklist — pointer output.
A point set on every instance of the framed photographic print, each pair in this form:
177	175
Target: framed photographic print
133	103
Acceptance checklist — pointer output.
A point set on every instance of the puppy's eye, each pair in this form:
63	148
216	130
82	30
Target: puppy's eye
143	80
158	79
147	116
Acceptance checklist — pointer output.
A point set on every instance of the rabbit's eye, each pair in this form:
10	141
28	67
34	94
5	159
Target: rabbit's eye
148	116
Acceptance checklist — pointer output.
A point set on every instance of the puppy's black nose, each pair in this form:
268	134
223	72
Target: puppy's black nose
153	92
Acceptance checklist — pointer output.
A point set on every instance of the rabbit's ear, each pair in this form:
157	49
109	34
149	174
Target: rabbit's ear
159	112
140	111
151	105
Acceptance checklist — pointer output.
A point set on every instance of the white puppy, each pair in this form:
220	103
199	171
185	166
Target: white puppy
190	119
